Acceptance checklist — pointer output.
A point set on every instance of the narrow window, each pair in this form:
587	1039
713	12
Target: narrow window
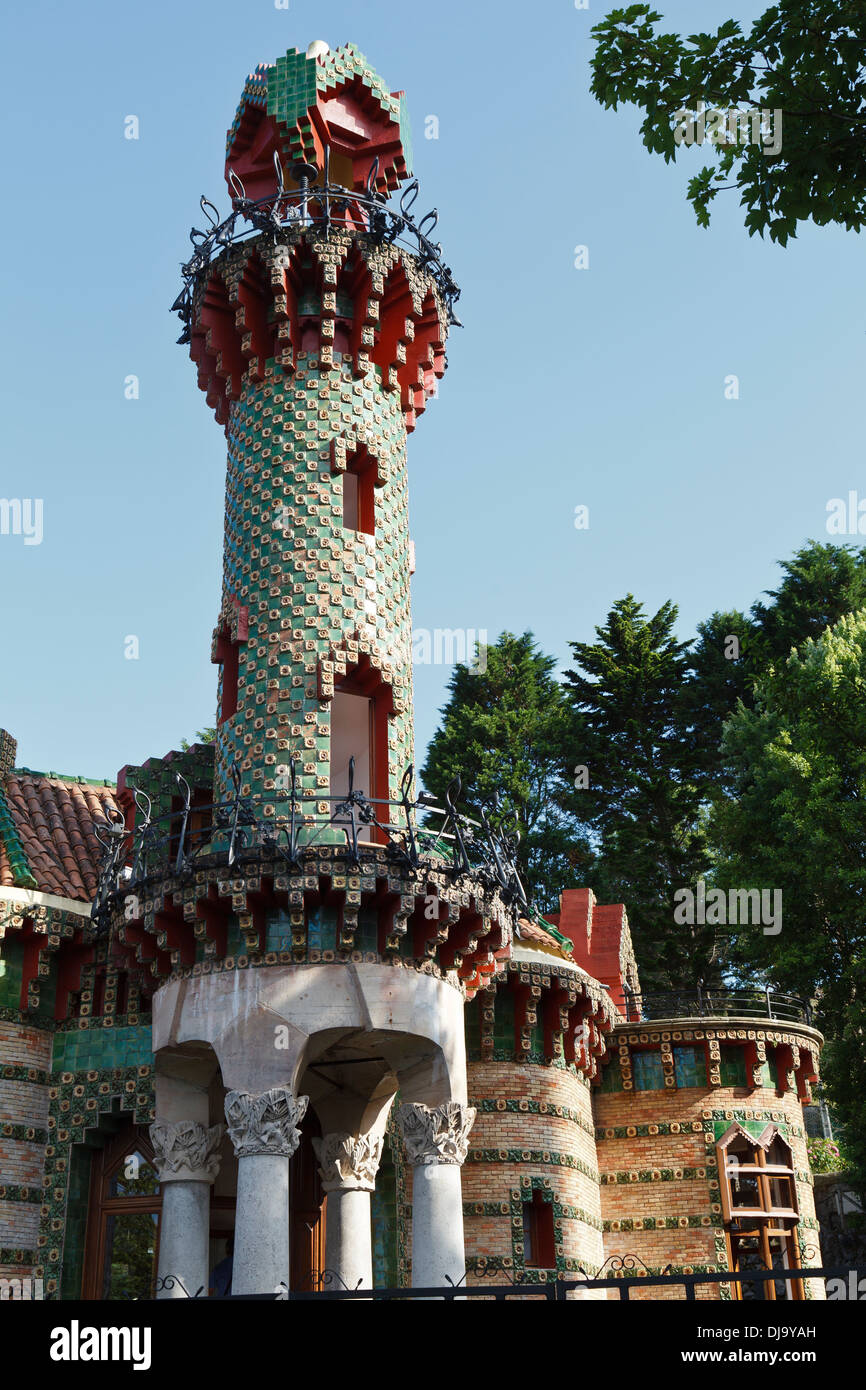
539	1245
359	481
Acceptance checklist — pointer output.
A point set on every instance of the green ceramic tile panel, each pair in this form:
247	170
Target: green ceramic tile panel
367	933
503	1024
611	1077
690	1066
82	1049
278	936
733	1066
11	973
76	1219
383	1212
322	929
647	1071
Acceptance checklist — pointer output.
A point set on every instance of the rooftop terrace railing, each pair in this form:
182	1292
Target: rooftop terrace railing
716	1003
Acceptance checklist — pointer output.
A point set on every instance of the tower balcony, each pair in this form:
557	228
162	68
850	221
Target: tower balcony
287	876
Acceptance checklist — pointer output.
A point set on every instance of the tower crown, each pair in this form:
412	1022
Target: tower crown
321	109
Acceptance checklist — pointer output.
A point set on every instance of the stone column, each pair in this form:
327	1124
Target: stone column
265	1132
348	1167
186	1162
436	1139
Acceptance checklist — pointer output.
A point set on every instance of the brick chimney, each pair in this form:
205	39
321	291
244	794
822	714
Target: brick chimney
601	937
8	751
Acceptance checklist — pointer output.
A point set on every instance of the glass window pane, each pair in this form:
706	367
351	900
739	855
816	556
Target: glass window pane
130	1255
134	1178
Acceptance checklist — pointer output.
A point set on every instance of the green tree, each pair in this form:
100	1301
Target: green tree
820	584
503	731
643	803
797	822
804	58
202	736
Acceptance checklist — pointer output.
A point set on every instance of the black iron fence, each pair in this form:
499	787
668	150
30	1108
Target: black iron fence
626	1279
716	1003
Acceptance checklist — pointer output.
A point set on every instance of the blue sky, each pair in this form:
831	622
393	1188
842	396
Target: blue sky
601	387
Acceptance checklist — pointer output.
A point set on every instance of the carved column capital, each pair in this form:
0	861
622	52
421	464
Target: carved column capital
348	1162
267	1123
185	1151
438	1133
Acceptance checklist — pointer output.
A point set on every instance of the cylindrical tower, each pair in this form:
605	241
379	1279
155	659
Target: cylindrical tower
318	342
531	1184
313	933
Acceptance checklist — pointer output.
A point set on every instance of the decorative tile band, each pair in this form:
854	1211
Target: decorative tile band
21	1194
10	1256
30	1074
659	1175
646	1131
491	1106
662	1223
26	1134
546	1156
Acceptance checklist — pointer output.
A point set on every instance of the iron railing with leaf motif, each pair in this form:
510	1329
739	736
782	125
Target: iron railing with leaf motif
287	824
324	206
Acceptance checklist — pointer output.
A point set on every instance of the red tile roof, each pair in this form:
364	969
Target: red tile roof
52	818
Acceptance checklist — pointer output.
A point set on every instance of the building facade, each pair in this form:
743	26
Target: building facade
266	1013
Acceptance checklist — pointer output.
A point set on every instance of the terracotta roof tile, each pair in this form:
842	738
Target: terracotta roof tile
53	819
528	931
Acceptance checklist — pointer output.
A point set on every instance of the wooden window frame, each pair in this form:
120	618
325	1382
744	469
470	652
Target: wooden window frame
100	1207
766	1221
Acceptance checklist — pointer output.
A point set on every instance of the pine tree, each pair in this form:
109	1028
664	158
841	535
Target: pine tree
643	803
503	731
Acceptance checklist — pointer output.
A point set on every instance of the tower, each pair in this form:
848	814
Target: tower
312	930
318	341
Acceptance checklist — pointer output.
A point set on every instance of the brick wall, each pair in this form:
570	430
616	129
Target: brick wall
533	1130
25	1060
652	1175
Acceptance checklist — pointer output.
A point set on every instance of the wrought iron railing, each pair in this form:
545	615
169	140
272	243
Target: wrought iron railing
626	1276
716	1003
287	825
324	206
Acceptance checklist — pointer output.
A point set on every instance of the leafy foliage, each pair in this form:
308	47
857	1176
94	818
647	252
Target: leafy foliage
805	58
796	820
202	736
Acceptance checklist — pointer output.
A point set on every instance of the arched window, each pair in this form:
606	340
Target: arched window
122	1238
759	1207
